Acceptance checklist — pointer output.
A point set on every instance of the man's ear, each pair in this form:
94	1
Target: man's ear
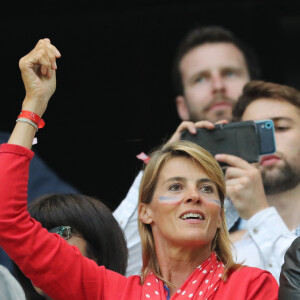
145	213
182	109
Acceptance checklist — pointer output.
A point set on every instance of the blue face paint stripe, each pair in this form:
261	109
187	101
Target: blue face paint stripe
216	201
168	198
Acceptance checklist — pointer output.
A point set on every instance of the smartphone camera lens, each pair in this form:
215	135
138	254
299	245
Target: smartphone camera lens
268	125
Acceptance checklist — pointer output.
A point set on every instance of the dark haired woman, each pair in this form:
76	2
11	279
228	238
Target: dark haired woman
83	222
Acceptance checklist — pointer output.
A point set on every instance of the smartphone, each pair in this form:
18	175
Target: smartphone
246	139
265	130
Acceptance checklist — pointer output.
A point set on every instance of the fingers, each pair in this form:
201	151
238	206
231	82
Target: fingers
232	172
204	124
222	122
191	127
183	126
233	161
186	126
238	167
57	53
42	58
46	55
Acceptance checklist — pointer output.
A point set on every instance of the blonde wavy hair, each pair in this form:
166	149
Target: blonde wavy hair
221	243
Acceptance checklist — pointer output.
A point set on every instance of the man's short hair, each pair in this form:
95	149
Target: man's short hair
211	34
256	89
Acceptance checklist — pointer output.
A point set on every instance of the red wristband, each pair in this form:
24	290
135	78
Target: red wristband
33	117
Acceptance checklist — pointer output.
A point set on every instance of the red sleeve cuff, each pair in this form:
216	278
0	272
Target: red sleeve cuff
16	149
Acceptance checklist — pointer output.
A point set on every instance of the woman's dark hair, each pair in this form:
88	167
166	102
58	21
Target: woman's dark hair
90	218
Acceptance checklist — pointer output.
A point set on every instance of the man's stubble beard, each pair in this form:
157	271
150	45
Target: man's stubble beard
218	115
285	178
200	115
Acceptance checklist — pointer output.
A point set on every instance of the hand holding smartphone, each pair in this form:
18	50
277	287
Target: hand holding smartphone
247	139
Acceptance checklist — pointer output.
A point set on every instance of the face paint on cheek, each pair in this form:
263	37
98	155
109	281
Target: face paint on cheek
214	201
169	199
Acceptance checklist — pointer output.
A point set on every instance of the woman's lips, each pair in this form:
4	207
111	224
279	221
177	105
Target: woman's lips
268	160
193	221
192	216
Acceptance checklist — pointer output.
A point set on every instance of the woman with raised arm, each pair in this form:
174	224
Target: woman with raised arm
186	249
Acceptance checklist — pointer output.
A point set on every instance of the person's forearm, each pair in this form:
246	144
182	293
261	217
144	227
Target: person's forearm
22	135
25	129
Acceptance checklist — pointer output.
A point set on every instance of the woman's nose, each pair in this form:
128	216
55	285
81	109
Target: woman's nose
193	196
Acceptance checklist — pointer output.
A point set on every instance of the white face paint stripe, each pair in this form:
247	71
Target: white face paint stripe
169	199
176	199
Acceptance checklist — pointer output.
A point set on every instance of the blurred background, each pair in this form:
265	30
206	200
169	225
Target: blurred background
114	96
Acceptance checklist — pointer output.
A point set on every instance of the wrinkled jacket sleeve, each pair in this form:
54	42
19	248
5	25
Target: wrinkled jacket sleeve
42	180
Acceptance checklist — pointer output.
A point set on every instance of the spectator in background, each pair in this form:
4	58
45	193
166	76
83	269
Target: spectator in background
267	196
211	67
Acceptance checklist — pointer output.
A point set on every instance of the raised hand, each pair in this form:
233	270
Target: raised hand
38	70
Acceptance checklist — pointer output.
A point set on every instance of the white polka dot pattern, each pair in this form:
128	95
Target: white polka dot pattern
202	283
